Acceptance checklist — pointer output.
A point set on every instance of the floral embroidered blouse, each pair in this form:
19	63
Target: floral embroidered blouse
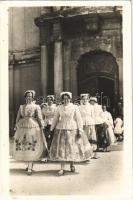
48	113
87	114
98	114
29	116
108	118
67	117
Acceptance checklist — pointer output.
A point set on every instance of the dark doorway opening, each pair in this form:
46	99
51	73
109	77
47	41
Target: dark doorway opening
98	75
106	86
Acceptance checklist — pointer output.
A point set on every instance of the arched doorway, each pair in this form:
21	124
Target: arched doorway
98	75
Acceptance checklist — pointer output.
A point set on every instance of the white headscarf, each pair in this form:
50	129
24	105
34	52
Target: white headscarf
68	93
84	95
51	96
30	91
93	99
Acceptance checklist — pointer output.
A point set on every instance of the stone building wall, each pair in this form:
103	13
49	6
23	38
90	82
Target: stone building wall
24	53
23	34
109	39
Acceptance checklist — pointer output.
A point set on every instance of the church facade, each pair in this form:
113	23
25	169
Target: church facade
54	49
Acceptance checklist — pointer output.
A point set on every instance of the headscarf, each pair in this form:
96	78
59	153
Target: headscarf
67	93
30	91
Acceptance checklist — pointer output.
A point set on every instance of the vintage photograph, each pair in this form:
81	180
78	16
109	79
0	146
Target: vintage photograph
66	106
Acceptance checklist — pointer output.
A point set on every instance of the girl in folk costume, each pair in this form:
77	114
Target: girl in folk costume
87	114
118	130
68	144
109	121
28	143
48	113
100	126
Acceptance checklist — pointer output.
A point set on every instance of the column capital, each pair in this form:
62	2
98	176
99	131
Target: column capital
57	30
50	27
45	33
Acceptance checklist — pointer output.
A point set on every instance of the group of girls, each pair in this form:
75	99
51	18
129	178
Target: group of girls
66	133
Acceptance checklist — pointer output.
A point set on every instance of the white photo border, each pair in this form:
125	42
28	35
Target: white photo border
4	96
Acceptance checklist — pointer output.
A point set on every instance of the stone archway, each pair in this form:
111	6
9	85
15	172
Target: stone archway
98	75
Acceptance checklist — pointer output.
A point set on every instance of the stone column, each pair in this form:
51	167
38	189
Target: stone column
44	68
74	81
44	41
11	99
58	59
17	87
11	86
66	67
16	90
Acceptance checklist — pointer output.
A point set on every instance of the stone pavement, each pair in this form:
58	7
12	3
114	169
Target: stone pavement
100	177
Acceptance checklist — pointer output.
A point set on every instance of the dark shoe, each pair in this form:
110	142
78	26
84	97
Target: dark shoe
27	169
87	161
44	160
95	157
29	172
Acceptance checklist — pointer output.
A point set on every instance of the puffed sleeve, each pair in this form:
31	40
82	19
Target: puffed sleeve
111	120
122	126
39	116
78	118
92	113
115	121
101	113
43	112
55	109
100	110
55	119
16	136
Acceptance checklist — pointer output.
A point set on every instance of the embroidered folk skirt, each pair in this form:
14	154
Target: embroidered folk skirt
111	135
66	146
28	142
91	135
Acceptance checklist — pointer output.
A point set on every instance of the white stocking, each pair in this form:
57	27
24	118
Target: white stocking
30	165
62	165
